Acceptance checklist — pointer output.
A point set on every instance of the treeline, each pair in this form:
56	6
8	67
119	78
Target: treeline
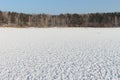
13	19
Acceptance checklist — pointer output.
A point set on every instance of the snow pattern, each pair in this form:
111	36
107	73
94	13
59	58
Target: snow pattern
60	54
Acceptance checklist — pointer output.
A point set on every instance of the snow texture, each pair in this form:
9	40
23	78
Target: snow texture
60	54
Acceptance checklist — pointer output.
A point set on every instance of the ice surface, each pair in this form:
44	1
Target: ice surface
60	54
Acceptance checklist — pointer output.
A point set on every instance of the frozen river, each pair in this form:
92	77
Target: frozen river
60	54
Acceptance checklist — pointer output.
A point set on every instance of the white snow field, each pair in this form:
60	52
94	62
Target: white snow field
60	54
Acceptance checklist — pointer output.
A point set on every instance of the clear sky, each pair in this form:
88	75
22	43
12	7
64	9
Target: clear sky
60	6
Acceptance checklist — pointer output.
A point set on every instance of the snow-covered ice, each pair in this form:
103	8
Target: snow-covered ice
60	54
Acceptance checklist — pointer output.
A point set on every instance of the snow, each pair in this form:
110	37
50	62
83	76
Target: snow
60	54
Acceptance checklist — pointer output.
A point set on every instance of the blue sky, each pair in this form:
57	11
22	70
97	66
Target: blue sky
60	6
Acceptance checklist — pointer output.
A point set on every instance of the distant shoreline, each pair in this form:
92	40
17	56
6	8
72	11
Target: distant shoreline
8	19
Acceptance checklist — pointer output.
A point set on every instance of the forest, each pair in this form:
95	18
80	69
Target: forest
13	19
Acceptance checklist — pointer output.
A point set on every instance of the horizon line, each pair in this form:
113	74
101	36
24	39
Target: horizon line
63	12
